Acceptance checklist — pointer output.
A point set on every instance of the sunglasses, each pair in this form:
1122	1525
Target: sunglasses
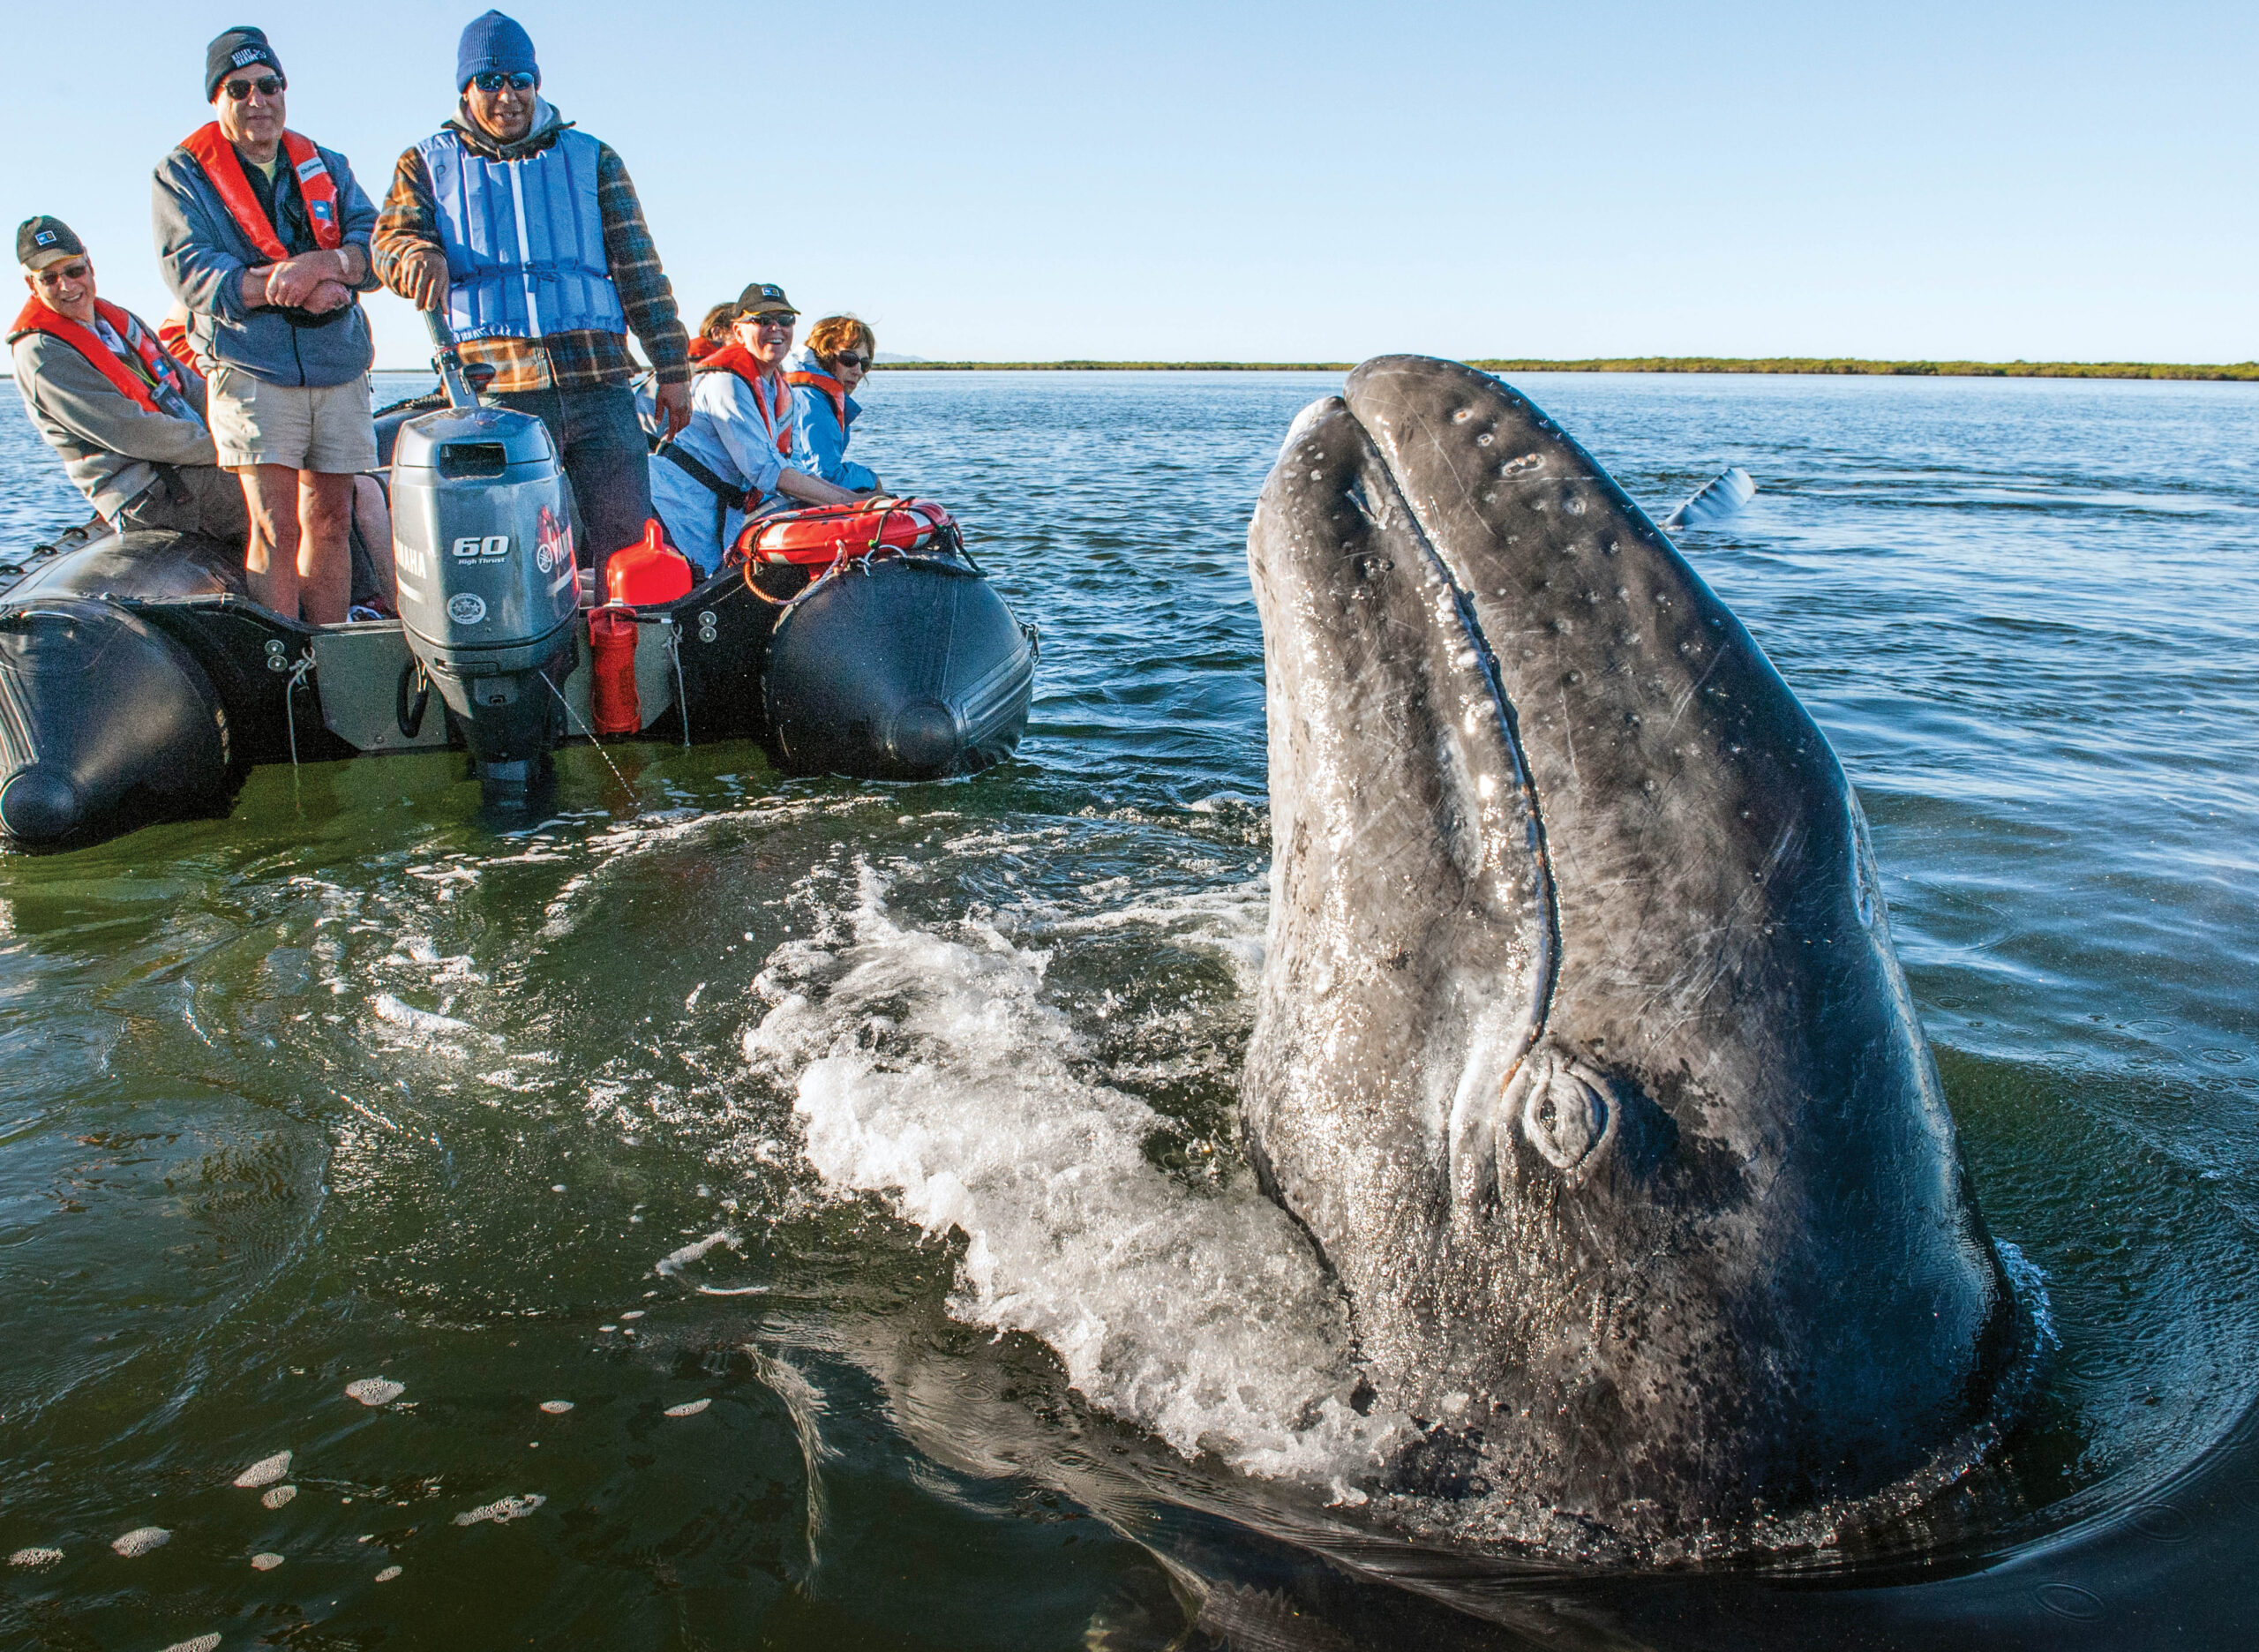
771	319
849	358
494	80
56	273
266	85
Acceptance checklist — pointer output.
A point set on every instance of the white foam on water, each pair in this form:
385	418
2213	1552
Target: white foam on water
424	1024
934	1072
375	1390
501	1510
264	1472
388	1573
265	1562
691	1408
34	1556
279	1496
140	1541
201	1643
557	1407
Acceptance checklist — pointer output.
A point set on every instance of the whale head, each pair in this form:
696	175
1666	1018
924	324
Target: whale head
1582	1048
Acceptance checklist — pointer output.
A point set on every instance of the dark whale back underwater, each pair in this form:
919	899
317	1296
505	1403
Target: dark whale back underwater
1582	1050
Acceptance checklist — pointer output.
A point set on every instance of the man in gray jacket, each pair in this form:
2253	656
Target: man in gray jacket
264	235
126	419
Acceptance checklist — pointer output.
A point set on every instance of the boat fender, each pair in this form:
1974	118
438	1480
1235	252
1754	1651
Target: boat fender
612	701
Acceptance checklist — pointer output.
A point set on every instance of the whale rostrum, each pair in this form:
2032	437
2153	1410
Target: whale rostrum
1581	1049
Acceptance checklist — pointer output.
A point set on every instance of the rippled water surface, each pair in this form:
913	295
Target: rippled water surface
787	1205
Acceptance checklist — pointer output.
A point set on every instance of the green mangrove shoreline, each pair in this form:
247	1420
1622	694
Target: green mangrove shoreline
2238	372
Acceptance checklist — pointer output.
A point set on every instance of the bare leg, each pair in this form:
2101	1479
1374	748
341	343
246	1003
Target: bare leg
373	517
270	548
325	552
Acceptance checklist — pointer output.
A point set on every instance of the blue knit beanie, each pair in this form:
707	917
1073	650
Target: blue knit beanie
494	42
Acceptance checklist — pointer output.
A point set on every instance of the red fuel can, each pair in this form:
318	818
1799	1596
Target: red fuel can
612	701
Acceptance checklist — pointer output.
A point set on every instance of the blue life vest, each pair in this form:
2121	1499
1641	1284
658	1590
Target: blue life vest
524	240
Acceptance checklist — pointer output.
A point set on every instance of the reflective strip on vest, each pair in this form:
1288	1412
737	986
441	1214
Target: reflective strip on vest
524	240
37	317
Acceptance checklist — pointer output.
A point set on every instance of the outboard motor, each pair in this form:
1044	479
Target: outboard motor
488	597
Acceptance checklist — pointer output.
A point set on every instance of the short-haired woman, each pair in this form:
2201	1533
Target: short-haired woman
736	453
831	364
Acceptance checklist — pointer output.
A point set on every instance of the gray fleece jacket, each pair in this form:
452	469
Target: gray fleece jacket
109	444
203	254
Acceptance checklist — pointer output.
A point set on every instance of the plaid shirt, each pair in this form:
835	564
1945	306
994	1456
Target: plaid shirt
569	361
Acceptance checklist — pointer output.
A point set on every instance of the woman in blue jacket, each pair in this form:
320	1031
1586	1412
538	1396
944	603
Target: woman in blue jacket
737	454
832	364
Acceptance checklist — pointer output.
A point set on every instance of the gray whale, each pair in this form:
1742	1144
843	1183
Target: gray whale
1582	1048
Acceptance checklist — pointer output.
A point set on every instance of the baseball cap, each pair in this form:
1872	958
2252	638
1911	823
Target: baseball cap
43	241
764	298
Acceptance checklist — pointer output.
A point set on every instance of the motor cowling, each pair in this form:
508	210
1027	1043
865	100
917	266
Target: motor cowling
484	543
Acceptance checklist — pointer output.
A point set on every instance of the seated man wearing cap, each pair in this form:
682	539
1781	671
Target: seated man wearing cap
264	235
529	233
736	454
126	419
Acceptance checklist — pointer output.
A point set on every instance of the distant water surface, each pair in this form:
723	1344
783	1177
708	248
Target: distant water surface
893	1123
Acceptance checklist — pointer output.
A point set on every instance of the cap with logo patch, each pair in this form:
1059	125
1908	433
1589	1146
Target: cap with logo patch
43	241
764	298
239	48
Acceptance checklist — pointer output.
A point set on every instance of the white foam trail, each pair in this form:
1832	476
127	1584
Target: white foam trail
422	1023
937	1074
502	1511
200	1643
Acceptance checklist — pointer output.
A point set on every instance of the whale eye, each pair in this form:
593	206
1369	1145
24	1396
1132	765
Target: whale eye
1566	1112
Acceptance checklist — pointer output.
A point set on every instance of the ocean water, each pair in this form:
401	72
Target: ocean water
808	1214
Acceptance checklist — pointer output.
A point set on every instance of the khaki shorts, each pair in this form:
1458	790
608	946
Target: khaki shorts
326	429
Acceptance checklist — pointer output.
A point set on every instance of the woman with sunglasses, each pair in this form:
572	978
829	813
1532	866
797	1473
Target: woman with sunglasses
737	455
823	375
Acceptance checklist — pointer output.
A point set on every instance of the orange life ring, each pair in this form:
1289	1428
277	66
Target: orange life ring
824	534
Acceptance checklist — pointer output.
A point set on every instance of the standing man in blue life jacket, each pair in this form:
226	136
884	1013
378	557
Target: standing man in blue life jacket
264	235
530	233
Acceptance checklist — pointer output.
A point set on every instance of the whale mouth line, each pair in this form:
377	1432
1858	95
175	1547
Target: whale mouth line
1498	1101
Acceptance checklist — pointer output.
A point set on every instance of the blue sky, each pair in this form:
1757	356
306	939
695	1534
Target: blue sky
1315	181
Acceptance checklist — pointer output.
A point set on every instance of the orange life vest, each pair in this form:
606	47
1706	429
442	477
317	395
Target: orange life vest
225	168
174	336
833	391
772	397
37	317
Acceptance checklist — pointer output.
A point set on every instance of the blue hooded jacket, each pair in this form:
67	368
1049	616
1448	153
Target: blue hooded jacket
819	439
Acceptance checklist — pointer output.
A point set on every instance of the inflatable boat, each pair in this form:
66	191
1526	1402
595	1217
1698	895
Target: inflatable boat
139	681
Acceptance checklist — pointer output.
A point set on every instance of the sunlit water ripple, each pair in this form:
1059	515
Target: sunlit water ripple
895	1122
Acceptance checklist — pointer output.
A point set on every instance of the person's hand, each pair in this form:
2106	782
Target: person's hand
421	278
675	406
331	294
292	282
